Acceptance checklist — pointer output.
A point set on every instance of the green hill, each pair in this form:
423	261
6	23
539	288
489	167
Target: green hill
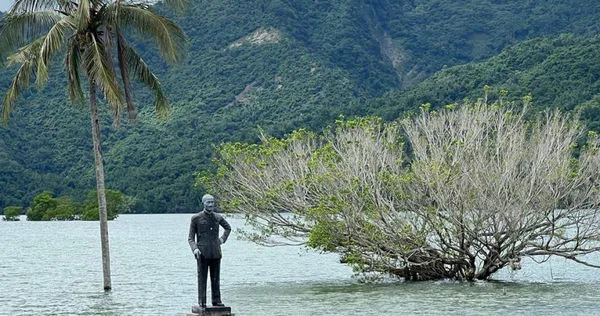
560	72
282	65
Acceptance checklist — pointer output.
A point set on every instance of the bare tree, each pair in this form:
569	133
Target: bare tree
499	188
482	189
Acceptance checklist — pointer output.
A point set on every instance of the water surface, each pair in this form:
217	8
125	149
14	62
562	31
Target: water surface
55	268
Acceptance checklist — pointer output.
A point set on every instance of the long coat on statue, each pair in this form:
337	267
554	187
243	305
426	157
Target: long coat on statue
204	234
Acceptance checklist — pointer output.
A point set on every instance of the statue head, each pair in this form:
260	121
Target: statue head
209	202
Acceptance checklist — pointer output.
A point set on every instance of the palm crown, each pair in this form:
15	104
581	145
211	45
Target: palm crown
90	33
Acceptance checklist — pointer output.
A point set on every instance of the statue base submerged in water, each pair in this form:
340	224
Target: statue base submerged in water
211	311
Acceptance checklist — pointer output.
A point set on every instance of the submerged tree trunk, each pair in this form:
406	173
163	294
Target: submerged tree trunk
100	187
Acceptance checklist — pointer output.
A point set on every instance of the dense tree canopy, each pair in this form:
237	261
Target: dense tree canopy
560	72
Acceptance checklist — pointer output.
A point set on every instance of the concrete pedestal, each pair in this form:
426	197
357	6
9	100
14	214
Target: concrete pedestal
211	311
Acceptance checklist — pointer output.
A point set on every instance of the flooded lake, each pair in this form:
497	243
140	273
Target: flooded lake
54	268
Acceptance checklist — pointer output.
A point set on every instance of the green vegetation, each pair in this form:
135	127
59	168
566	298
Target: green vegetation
41	204
64	210
560	72
45	207
11	213
116	203
317	60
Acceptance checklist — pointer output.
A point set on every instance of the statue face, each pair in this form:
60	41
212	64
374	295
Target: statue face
209	204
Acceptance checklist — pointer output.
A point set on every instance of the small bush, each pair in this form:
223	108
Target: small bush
11	213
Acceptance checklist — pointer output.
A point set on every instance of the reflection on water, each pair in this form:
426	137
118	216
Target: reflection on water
55	268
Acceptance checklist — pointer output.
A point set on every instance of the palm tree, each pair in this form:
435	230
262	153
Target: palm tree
85	32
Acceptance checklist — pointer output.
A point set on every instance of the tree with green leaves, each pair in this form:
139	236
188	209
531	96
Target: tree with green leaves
41	204
90	34
11	213
64	211
116	203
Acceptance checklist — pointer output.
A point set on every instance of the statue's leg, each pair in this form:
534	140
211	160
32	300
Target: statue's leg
215	279
202	274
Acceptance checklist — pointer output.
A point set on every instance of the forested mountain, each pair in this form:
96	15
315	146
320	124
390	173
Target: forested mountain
283	65
558	72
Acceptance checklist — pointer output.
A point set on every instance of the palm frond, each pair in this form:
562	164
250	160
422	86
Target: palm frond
107	41
20	29
100	3
168	36
19	83
27	56
136	65
121	45
161	105
82	17
98	70
22	6
52	43
179	6
73	65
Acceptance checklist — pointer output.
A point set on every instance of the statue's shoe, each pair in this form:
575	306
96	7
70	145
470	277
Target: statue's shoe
218	304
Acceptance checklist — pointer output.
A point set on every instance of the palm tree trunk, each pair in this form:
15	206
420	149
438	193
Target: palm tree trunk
100	187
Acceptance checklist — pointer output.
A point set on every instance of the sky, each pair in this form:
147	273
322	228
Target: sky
5	5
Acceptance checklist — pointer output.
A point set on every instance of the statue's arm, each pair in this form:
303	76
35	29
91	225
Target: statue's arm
192	235
226	229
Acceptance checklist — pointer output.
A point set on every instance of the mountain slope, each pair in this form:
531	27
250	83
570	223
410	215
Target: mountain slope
561	72
276	64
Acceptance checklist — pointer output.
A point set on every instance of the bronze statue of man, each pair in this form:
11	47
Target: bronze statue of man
206	245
